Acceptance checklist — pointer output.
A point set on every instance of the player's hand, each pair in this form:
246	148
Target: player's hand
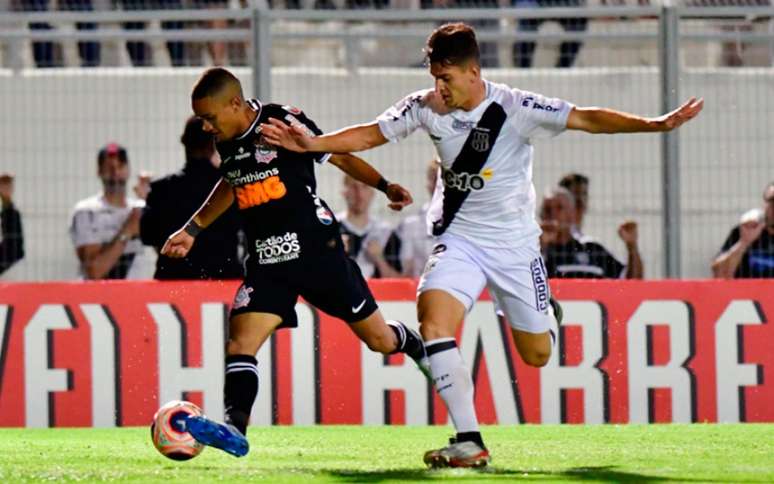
292	138
628	233
689	110
750	231
6	188
399	197
142	188
178	245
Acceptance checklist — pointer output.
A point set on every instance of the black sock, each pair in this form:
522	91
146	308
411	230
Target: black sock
408	341
471	437
240	389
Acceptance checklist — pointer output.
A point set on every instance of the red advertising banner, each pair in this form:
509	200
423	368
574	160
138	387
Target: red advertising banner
109	353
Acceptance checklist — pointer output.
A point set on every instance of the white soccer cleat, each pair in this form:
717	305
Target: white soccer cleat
458	454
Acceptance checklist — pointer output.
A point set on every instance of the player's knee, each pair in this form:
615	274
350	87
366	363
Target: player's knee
240	346
537	358
431	329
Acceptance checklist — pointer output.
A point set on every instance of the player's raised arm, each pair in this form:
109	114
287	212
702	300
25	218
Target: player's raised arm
601	120
346	140
361	170
220	199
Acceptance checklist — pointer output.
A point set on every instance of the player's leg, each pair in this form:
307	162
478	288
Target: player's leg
450	285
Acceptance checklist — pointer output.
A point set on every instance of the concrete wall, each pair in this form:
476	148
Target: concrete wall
54	122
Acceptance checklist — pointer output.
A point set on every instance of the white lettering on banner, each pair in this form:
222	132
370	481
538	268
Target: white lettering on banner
644	377
732	373
481	325
104	361
555	377
175	377
378	377
304	367
39	378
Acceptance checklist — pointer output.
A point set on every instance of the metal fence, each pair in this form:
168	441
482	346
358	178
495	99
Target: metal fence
686	190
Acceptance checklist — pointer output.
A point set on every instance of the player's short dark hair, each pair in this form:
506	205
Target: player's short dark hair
452	44
194	138
212	81
109	149
573	179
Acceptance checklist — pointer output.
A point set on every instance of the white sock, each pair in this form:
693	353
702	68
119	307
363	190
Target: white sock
453	382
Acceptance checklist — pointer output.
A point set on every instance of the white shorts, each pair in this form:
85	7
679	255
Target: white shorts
516	278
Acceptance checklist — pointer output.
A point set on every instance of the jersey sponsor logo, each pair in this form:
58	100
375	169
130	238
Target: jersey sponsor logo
480	140
464	182
242	154
463	125
298	124
540	283
292	109
260	192
323	214
234	177
278	248
542	107
410	103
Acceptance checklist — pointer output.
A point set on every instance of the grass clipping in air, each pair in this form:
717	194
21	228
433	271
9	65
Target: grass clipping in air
606	453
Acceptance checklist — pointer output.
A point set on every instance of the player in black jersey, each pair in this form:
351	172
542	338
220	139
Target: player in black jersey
294	243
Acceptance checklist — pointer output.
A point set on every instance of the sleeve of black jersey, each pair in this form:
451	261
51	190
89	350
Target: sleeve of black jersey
611	266
301	116
733	238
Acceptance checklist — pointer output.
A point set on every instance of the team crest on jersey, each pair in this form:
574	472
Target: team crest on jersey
264	153
242	298
324	216
480	140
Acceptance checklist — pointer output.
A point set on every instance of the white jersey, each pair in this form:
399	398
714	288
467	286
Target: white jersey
95	221
499	207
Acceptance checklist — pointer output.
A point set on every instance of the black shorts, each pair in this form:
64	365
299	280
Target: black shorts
329	280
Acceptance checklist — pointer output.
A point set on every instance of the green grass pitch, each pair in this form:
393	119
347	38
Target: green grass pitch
607	453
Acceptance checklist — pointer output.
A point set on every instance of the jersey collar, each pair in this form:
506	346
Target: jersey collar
256	106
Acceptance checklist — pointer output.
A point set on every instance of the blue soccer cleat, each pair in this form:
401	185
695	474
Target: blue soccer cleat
221	436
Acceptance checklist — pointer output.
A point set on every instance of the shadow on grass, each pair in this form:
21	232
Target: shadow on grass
606	473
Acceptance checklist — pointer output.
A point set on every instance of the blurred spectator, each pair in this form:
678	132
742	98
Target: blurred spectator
105	228
412	242
45	53
175	197
140	52
523	52
567	256
12	244
749	249
578	185
217	50
488	50
364	237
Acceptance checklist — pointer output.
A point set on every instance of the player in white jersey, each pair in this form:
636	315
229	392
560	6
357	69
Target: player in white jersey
482	212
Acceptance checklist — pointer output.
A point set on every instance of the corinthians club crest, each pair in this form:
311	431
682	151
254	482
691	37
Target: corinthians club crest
480	140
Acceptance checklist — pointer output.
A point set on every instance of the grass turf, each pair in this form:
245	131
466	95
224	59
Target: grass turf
608	453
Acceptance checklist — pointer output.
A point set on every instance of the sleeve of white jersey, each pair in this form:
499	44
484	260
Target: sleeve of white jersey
83	230
403	118
538	116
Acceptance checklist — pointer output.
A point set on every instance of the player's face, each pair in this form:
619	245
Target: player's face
581	193
768	198
114	174
219	117
454	83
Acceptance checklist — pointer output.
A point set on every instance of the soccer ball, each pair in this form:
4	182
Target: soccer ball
168	431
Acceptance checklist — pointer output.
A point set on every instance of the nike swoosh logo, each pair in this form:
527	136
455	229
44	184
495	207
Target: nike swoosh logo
356	309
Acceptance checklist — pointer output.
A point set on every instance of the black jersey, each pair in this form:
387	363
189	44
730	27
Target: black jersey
581	258
275	190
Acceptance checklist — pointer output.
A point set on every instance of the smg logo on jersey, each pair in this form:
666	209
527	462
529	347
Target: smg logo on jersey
278	248
466	182
256	188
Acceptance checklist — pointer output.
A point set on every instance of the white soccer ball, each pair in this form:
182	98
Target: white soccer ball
168	431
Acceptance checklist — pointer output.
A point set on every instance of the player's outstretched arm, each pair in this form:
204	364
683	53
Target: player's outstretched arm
361	170
601	120
347	140
179	243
